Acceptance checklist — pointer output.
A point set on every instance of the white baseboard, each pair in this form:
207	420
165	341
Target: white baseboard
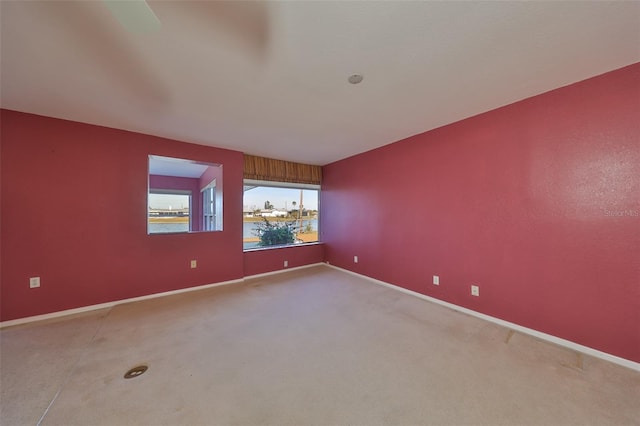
525	330
529	331
90	308
112	304
280	271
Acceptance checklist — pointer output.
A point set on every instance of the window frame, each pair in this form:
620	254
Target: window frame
209	218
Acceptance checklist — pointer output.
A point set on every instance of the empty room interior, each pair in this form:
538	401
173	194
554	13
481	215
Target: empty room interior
319	213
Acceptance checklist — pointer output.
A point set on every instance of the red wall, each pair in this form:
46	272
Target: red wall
74	212
261	261
537	203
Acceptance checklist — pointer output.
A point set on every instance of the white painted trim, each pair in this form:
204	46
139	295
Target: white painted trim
288	246
90	308
525	330
112	304
279	271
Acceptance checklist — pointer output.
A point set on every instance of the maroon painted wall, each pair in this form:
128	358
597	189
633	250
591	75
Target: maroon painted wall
537	203
262	261
74	203
210	174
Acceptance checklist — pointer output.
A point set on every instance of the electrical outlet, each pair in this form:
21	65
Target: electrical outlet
34	282
436	280
194	264
355	259
475	290
286	263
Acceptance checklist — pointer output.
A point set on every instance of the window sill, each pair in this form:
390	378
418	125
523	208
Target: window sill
252	249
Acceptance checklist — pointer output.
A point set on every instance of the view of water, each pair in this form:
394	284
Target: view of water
248	228
163	228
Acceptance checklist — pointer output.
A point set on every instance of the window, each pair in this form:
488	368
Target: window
183	196
169	211
209	207
279	214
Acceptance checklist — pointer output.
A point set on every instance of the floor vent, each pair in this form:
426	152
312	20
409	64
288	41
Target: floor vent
135	371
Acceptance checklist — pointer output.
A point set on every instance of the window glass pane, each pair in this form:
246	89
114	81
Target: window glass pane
169	213
279	216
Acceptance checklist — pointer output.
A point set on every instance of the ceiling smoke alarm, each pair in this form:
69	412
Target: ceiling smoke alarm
355	78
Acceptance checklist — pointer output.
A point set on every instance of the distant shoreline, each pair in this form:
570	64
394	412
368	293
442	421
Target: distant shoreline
185	219
276	219
169	219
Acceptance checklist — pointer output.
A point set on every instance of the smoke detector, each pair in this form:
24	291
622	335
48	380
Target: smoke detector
355	78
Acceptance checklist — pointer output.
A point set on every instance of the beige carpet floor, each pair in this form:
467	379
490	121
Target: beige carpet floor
308	347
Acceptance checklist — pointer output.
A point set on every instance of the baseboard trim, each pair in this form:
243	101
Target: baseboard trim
90	308
525	330
280	271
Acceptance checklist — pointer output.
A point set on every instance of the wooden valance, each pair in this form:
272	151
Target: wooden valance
260	168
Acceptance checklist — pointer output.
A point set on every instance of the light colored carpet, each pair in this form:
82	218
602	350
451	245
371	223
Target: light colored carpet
309	347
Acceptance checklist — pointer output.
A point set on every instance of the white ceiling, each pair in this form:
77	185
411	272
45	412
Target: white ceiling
270	78
168	166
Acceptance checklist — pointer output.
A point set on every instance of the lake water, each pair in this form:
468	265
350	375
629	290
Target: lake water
163	228
248	228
